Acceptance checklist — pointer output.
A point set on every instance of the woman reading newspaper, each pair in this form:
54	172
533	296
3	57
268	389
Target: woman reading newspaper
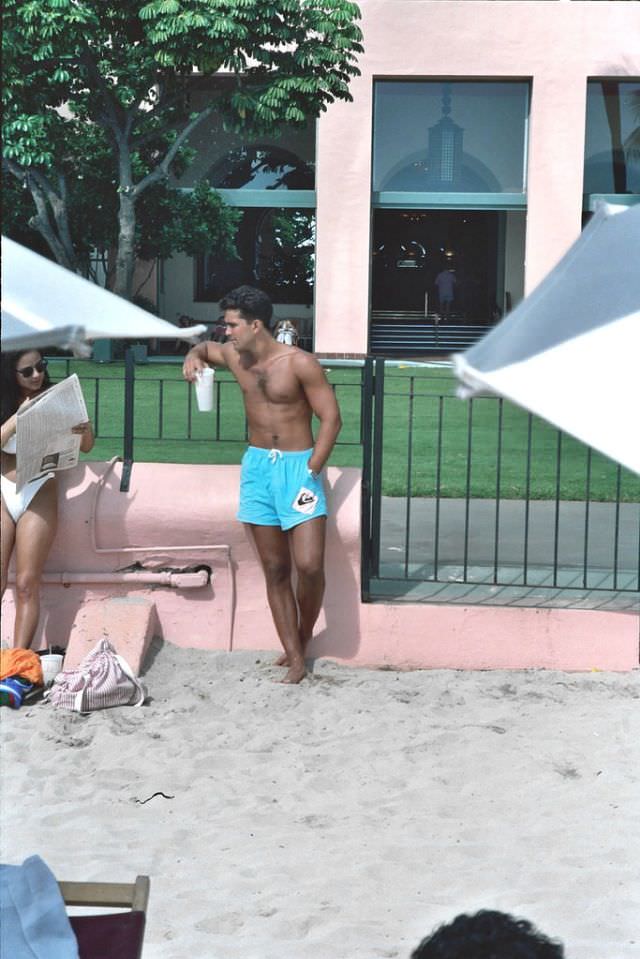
30	515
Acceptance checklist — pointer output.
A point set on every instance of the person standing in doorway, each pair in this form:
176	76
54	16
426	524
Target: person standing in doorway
446	284
282	500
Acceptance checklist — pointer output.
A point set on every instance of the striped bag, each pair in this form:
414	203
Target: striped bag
102	679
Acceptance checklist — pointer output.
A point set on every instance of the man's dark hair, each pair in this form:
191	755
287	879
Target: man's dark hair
488	935
253	304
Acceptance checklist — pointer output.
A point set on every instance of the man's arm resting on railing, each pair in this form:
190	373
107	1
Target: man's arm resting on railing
201	355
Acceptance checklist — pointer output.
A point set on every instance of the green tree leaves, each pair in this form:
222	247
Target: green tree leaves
96	103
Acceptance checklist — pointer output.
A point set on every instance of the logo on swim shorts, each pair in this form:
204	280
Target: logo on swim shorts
305	501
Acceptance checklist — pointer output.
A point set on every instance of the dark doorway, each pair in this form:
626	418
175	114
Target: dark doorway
411	248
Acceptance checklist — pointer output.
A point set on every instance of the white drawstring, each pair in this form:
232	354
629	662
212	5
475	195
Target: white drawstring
273	455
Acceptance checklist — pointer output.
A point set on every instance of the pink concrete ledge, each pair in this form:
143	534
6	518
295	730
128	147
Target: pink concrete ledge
178	517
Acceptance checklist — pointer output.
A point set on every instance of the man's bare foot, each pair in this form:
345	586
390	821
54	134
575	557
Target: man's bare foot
283	659
295	673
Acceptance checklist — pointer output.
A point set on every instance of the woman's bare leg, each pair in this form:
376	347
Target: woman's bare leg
35	532
8	532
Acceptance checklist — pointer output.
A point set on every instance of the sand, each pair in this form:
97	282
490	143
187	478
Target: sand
346	817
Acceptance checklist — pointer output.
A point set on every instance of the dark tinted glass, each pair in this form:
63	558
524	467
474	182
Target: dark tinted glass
450	137
612	144
276	252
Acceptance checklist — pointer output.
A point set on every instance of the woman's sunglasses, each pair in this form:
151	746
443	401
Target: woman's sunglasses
28	371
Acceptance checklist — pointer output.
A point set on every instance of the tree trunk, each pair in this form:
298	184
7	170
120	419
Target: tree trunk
47	201
42	223
125	254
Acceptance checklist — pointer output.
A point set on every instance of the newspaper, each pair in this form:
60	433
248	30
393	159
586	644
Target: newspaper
44	441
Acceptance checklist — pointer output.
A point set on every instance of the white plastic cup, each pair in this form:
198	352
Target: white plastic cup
204	389
51	666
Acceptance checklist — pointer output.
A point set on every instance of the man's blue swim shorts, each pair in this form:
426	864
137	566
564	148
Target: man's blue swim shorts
277	489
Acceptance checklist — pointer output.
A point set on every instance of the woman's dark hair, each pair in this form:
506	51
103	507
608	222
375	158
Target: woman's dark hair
10	395
252	303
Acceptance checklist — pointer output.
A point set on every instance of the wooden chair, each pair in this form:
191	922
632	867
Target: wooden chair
117	935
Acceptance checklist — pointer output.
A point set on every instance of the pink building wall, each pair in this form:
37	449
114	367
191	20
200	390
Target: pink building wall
181	516
557	45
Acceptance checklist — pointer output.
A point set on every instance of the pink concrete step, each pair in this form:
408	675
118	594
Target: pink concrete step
128	622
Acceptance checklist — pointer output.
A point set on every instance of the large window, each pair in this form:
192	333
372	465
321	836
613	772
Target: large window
612	142
272	181
221	154
276	252
261	167
449	199
441	136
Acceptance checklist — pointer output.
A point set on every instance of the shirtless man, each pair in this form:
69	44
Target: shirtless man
282	501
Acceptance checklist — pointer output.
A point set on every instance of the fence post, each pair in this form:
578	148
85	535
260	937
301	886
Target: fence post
129	394
372	421
366	419
376	464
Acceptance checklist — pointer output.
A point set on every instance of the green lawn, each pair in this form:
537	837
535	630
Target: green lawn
420	406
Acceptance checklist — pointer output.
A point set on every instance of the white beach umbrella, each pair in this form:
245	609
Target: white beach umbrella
44	304
570	352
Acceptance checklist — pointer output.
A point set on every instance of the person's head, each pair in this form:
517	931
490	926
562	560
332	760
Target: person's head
23	374
246	312
488	935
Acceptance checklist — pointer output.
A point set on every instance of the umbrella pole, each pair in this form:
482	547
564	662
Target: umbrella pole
129	392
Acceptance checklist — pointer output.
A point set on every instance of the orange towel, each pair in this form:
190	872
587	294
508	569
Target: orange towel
21	662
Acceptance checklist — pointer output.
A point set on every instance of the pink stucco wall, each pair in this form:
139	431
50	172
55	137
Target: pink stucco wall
557	45
180	516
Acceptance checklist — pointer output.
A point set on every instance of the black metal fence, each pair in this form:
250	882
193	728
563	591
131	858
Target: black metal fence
140	411
482	502
471	501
